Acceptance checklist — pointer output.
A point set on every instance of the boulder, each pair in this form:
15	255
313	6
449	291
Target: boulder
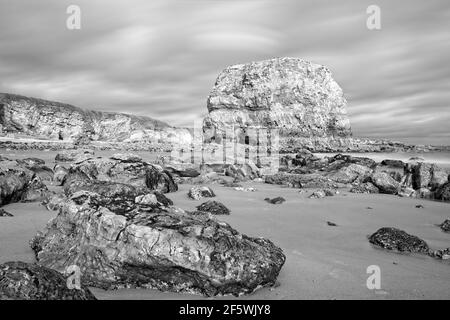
198	192
398	240
163	249
18	183
213	207
438	178
304	158
443	192
406	192
365	187
423	193
38	167
350	173
384	182
128	170
318	194
26	281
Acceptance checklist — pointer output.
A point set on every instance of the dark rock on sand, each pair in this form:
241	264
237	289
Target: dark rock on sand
25	281
164	250
198	192
443	192
398	240
331	224
393	163
214	207
277	200
4	213
384	182
445	226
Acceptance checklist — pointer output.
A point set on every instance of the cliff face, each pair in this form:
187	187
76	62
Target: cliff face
298	97
58	121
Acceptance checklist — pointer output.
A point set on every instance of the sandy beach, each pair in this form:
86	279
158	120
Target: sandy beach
322	261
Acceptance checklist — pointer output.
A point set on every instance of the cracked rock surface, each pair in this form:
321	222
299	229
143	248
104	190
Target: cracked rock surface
154	246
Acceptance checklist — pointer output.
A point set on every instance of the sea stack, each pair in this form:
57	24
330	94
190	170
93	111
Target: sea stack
295	96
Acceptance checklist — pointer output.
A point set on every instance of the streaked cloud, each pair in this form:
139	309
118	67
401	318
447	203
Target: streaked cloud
160	58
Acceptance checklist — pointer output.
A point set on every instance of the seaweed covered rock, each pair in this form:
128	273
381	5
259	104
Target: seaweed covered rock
443	192
213	207
398	240
127	169
151	248
25	281
445	226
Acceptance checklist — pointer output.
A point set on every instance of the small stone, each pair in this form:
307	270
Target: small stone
419	206
4	213
277	200
331	224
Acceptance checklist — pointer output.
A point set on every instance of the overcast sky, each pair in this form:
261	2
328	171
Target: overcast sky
161	58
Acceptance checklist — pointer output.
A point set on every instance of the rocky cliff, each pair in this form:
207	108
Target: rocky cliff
298	97
58	121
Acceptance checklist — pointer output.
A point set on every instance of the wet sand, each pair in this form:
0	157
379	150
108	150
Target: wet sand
323	262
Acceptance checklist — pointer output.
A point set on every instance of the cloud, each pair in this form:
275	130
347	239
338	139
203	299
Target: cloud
160	58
